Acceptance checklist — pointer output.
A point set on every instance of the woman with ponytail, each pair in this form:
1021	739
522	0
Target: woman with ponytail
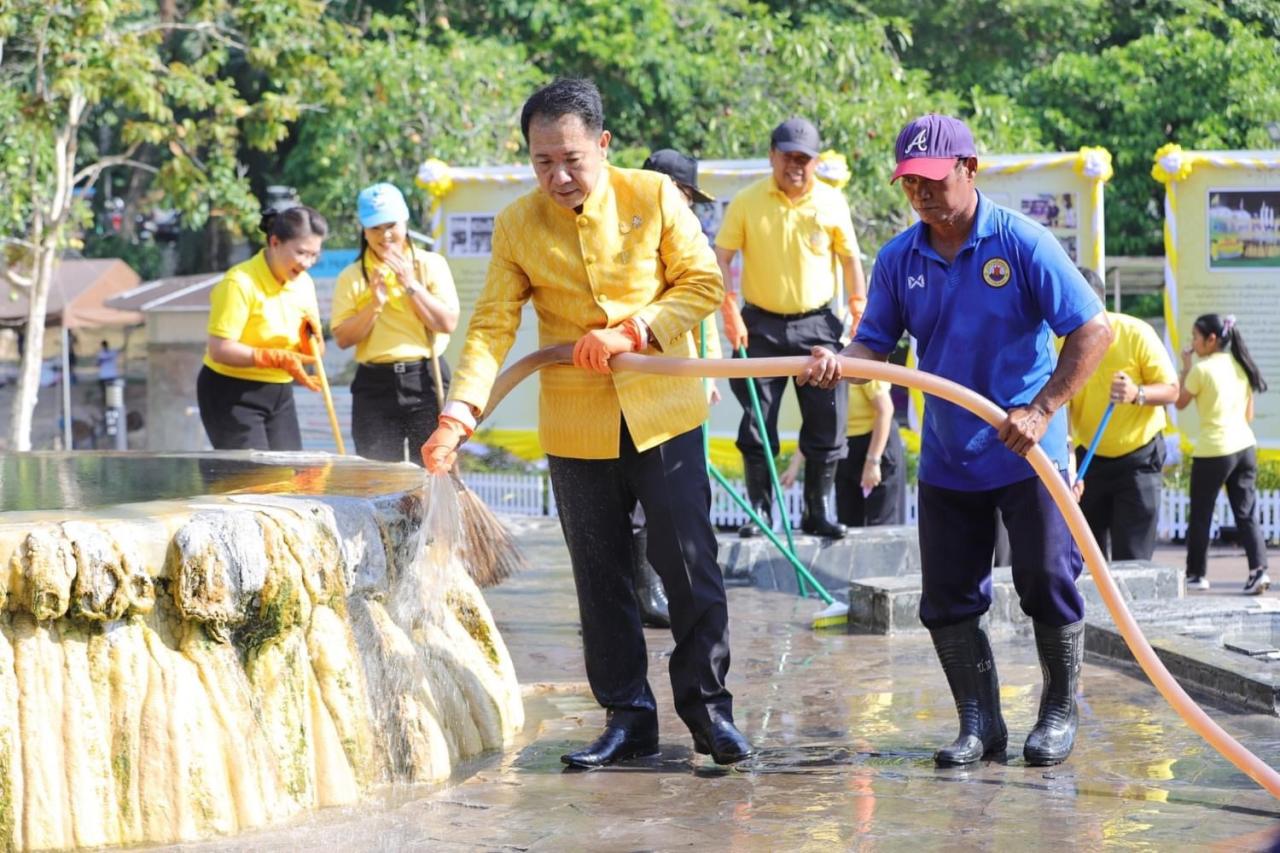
261	319
1222	384
396	305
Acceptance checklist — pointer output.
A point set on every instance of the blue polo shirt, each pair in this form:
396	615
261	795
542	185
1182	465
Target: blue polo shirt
987	321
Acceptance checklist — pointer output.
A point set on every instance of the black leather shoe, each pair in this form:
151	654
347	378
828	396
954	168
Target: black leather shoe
614	744
723	742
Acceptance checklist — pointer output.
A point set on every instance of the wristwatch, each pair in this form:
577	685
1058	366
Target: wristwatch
1142	395
874	460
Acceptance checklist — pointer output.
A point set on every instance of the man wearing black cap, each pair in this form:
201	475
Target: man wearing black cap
984	291
791	231
682	169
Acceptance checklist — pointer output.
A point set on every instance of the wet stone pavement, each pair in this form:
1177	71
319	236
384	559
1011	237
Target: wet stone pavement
845	726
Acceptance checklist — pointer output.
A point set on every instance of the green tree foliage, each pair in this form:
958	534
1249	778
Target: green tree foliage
713	77
1203	81
404	98
122	84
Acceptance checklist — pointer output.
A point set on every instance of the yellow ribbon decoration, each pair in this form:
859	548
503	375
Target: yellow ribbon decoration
1173	164
833	169
1094	163
436	178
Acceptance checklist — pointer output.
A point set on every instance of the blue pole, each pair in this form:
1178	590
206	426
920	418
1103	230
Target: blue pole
1097	436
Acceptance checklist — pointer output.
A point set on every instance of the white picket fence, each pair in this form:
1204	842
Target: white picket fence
530	494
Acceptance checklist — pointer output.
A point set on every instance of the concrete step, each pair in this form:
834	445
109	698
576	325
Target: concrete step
864	552
1224	648
891	604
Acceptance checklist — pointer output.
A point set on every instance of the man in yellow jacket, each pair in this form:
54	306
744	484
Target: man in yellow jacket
614	261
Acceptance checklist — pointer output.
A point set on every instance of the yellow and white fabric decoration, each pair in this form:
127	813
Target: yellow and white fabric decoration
833	169
436	178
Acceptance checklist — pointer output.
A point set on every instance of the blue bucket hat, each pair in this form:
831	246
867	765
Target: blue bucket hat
380	204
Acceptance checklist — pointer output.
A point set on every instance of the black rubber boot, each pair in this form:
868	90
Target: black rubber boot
1061	653
966	659
759	495
651	595
819	477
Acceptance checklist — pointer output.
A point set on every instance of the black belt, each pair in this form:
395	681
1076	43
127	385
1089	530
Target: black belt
398	366
812	313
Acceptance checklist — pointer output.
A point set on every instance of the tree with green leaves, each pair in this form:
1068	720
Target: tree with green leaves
96	85
1203	79
408	93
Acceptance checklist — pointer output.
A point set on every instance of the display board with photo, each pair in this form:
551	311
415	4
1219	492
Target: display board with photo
469	235
1243	230
1059	213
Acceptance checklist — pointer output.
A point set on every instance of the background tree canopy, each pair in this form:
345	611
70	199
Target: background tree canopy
329	97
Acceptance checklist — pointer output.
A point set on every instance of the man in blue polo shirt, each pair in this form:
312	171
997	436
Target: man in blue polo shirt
985	291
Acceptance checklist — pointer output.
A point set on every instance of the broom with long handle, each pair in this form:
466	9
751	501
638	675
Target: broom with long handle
314	334
488	550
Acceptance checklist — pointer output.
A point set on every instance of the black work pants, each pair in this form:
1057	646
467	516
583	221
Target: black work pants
595	498
823	412
1121	499
392	404
887	502
1239	472
240	414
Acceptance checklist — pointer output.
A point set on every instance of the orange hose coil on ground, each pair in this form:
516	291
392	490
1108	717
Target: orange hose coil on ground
1192	714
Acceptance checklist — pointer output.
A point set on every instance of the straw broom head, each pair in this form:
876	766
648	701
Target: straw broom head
487	548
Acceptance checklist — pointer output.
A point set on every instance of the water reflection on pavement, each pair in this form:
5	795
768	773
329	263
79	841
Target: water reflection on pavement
845	726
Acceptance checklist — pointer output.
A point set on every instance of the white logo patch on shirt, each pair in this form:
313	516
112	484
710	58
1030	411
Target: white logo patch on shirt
914	281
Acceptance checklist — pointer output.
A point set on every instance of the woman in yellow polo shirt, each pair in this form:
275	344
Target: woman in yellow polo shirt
1222	386
258	343
396	305
871	480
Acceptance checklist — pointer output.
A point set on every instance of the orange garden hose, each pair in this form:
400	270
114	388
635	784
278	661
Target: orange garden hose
1192	714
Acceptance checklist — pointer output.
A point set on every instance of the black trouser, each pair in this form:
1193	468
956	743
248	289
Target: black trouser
1122	499
1238	471
240	414
392	403
595	498
823	412
887	503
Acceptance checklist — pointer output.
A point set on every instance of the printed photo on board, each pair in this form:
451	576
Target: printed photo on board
1243	231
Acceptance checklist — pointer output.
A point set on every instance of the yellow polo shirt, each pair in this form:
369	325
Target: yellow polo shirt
788	247
398	334
1222	394
1137	351
251	307
635	249
862	413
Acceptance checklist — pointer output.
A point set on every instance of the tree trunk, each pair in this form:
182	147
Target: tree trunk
24	406
46	233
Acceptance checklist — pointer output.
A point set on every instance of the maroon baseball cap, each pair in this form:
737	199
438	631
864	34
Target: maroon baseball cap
930	145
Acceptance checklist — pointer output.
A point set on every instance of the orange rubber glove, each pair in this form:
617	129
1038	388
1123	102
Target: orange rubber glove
734	328
441	448
857	307
310	336
592	351
290	362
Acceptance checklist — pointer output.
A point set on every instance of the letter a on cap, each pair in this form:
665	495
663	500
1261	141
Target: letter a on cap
919	143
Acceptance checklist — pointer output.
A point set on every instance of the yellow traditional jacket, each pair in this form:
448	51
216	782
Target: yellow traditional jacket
635	249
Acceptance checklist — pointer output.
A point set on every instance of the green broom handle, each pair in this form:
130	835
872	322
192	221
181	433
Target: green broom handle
773	468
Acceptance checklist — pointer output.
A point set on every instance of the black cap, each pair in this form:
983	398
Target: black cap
796	134
682	169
